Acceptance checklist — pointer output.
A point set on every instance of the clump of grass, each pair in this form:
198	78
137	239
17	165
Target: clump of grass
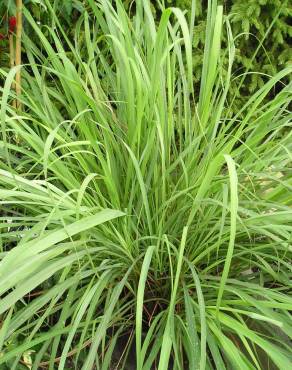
133	205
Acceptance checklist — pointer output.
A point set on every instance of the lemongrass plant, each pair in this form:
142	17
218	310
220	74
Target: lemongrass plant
136	210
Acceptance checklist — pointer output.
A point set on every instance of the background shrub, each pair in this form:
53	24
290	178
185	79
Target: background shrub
263	29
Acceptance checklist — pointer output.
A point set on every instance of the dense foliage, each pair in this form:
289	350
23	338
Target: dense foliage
263	32
139	209
262	28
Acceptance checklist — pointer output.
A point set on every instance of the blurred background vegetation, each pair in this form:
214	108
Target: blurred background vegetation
262	31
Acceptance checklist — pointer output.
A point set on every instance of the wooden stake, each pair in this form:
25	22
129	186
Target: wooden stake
12	60
18	50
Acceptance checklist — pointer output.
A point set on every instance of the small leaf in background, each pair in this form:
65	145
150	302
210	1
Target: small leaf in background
78	6
68	7
27	359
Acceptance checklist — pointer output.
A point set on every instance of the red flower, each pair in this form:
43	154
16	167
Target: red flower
12	24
